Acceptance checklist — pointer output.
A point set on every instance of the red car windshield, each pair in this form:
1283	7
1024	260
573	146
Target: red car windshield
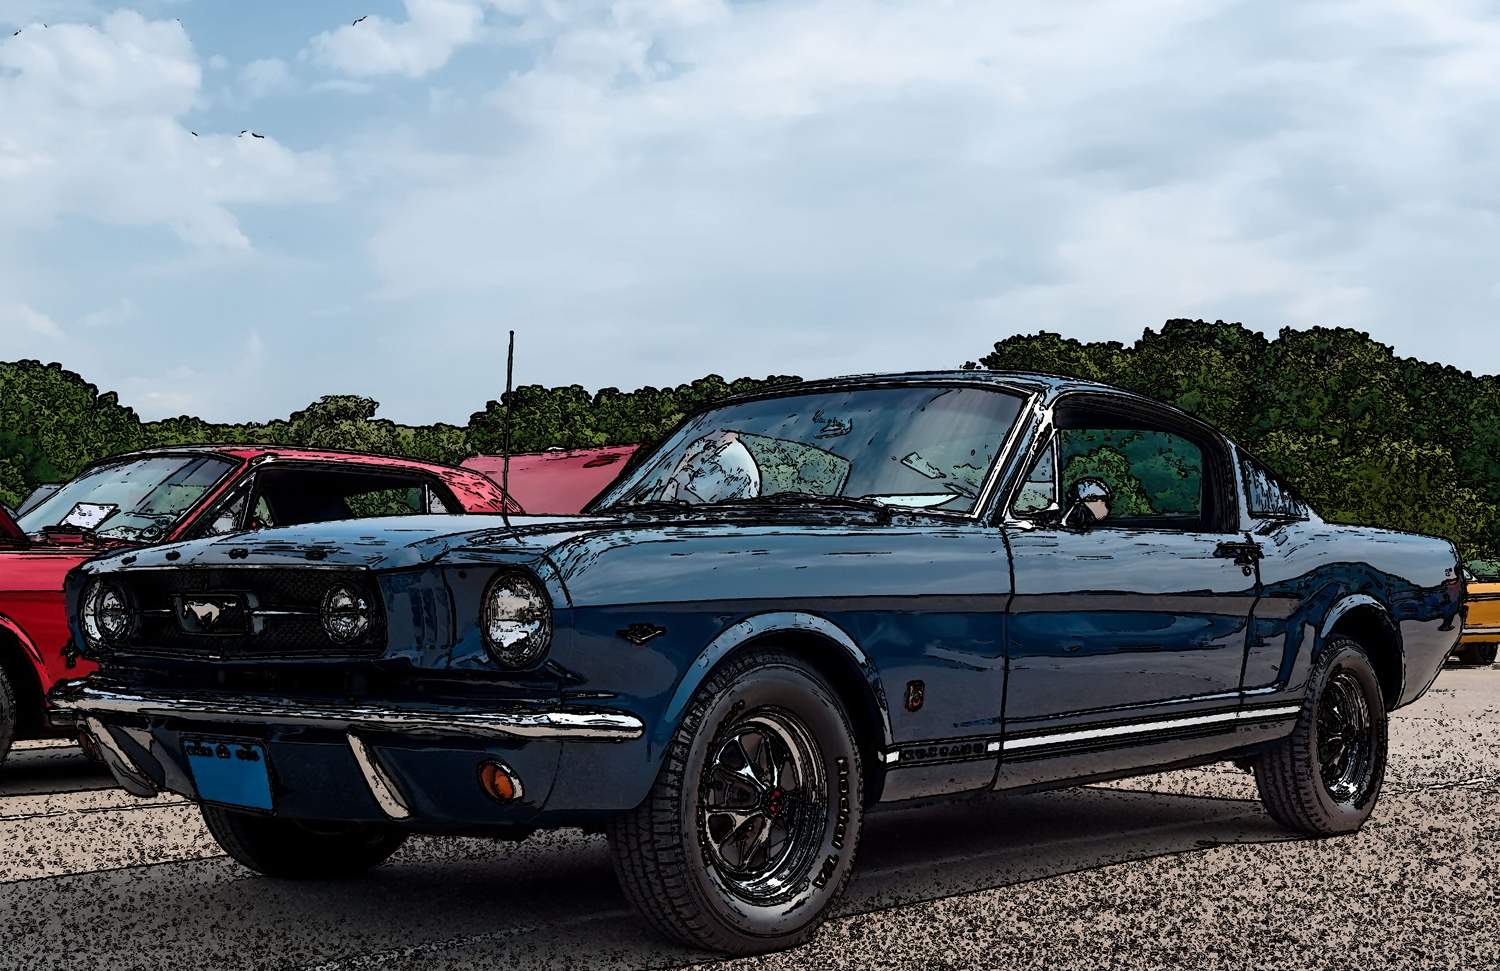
137	501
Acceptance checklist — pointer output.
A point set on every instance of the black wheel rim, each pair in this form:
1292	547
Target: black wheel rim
1346	738
763	804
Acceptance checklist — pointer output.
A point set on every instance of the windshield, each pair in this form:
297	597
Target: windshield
139	500
922	447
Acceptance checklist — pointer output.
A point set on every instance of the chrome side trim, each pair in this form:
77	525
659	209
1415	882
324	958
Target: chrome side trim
512	721
380	783
1482	631
129	775
1143	728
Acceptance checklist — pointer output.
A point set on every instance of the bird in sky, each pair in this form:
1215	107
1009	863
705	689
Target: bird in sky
366	16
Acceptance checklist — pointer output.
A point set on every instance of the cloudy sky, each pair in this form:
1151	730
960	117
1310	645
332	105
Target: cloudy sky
227	209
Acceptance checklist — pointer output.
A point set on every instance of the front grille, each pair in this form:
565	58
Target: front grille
243	613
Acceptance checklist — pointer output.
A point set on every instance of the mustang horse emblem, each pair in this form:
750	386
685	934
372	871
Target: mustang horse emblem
203	613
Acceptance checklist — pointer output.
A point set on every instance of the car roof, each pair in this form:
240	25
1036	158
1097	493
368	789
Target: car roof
1048	386
474	490
252	452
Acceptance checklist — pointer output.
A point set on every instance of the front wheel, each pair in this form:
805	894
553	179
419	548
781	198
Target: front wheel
748	837
8	715
1326	777
299	850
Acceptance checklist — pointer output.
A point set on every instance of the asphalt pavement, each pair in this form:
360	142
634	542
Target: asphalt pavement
1182	869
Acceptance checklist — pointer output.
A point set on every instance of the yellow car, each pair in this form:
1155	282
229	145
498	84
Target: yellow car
1482	622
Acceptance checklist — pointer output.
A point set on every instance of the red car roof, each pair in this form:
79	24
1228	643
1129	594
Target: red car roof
475	492
557	482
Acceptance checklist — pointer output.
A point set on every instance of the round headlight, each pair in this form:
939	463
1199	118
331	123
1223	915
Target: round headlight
346	613
517	620
105	614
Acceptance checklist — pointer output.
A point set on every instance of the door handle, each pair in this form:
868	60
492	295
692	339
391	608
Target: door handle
1245	554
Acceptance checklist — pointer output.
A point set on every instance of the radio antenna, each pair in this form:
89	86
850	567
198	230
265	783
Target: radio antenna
510	364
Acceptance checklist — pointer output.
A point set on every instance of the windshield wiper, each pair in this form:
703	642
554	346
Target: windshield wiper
778	500
806	499
652	505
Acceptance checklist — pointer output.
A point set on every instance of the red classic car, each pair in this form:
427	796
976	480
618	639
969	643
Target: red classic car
164	495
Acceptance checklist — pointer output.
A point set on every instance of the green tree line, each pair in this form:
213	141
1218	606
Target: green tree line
1366	436
53	423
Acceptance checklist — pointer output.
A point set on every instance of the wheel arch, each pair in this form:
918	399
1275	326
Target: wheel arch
1366	620
19	659
829	650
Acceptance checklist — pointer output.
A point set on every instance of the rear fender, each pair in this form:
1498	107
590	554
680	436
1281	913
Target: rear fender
1370	622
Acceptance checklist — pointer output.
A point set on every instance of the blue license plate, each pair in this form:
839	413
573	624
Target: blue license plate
230	771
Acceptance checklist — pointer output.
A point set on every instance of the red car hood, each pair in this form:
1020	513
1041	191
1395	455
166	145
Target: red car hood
9	529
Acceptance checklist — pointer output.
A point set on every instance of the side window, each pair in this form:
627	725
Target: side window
229	516
260	517
387	502
295	494
1155	478
1268	498
435	503
1039	491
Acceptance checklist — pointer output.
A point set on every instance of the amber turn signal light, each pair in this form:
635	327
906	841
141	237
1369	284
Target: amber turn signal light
499	782
86	742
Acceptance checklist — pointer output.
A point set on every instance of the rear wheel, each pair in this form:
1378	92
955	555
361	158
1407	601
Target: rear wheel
300	850
1326	777
748	837
1476	654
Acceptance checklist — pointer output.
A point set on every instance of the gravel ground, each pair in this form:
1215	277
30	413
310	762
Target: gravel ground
1181	869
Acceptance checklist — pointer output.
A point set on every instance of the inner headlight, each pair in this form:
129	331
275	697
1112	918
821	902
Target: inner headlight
517	620
346	613
105	613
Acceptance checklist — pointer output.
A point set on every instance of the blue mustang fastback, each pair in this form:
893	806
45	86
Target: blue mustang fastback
804	603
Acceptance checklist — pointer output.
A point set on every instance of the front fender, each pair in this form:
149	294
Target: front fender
30	649
755	628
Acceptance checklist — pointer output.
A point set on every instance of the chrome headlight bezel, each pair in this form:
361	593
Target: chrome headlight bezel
515	617
105	613
346	613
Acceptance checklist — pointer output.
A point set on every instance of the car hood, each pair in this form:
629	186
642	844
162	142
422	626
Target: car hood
8	528
394	543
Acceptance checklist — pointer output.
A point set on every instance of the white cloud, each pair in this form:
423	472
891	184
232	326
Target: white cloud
413	47
118	312
21	320
93	127
679	171
268	75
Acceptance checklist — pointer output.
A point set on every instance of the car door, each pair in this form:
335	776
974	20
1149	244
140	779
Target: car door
1131	628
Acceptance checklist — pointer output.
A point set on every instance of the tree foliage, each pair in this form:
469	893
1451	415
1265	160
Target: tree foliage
53	422
572	418
1365	436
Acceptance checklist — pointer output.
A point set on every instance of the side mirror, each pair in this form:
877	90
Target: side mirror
1088	503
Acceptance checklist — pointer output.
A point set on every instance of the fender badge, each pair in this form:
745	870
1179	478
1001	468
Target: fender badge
641	633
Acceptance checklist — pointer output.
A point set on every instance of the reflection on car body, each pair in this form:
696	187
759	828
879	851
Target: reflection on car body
806	603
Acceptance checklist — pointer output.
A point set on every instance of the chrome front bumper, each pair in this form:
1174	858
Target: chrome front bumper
511	721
